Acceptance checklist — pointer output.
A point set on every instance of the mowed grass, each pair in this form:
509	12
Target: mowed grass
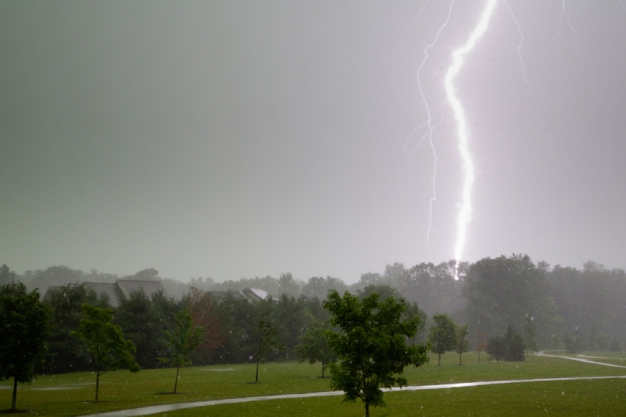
72	394
554	399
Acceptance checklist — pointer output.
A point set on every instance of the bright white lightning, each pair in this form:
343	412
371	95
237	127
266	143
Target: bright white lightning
564	13
429	122
519	47
466	208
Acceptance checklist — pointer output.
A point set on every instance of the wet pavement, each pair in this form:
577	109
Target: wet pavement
144	411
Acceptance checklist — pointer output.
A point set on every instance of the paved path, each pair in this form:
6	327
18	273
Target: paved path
144	411
580	359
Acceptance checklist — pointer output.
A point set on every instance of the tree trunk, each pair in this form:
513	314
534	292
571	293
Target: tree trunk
367	409
256	378
322	369
440	359
97	383
460	359
14	401
176	383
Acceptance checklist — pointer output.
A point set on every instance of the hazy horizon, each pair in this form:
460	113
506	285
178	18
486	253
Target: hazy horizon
241	139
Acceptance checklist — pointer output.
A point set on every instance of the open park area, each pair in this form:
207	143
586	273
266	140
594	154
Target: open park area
72	394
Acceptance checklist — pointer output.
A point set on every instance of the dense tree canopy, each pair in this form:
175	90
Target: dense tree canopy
371	345
24	330
503	291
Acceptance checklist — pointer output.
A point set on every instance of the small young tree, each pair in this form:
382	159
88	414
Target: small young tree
531	338
268	343
462	344
574	343
371	344
314	346
481	342
24	330
442	337
185	339
105	341
614	345
515	345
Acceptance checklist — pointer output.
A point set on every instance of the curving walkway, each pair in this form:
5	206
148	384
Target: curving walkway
144	411
580	359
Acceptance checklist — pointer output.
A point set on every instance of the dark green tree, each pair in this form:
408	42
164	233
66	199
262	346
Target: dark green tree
105	341
314	346
144	321
371	345
182	342
66	353
24	330
574	343
318	287
267	345
292	319
443	336
6	275
530	334
384	291
462	344
496	348
510	347
503	291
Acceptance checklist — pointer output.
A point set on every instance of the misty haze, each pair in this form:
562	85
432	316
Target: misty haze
218	184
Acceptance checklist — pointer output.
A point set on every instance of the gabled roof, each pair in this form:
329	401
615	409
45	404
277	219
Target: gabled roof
117	292
254	294
127	286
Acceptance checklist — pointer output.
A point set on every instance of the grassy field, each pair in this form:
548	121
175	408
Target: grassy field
71	394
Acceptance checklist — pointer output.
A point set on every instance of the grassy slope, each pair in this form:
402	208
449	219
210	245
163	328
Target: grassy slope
123	390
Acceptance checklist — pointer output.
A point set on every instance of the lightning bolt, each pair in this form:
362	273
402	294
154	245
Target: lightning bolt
453	71
519	47
564	14
429	123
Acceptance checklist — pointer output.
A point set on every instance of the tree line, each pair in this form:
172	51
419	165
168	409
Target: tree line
509	307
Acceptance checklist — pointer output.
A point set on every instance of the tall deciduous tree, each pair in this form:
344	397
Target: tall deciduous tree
314	346
504	290
371	345
442	337
105	341
182	342
24	330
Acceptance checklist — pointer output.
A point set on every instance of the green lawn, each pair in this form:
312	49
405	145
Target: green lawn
71	394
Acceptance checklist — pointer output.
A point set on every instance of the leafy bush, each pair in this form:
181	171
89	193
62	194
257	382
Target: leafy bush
509	347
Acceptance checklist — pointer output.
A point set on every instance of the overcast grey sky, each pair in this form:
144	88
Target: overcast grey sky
248	138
